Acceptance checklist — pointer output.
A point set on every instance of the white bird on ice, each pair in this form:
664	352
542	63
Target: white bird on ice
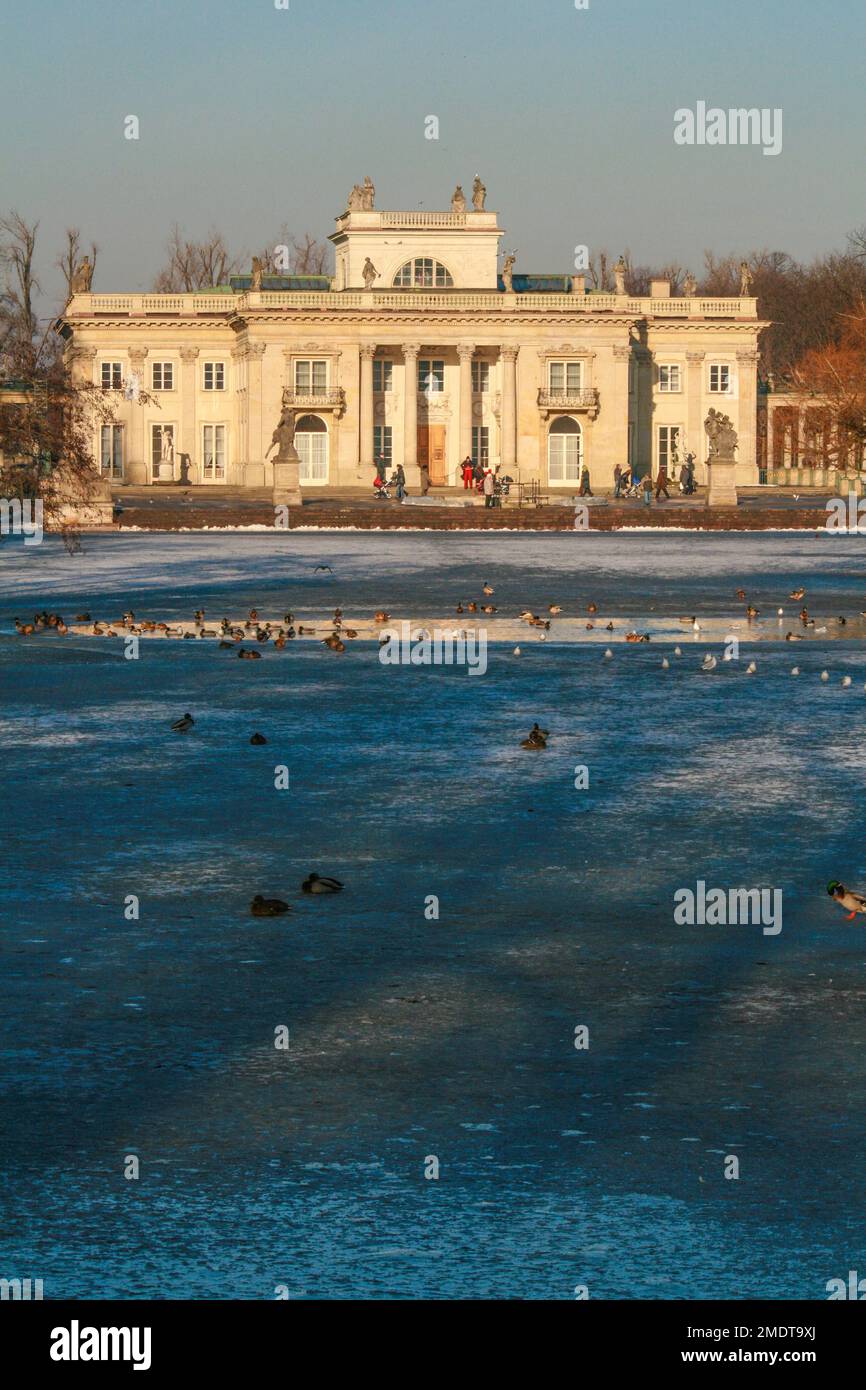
795	670
709	663
751	668
825	675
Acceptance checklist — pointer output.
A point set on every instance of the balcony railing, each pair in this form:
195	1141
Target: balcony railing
584	399
403	301
334	399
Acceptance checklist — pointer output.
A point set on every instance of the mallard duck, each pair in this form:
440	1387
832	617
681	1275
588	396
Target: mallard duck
383	617
82	617
246	655
472	607
254	616
318	883
306	631
609	627
554	608
741	593
230	645
459	608
590	627
526	615
488	608
199	615
845	897
267	907
183	725
592	608
350	632
533	743
280	642
793	637
258	739
751	611
798	594
487	589
25	629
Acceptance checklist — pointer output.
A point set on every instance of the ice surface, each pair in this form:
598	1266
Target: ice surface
411	1038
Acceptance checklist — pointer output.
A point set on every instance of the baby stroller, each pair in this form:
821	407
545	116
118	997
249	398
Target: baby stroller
503	485
381	488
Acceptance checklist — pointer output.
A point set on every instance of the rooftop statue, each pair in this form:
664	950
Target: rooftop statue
82	278
256	274
690	286
508	272
370	273
368	194
458	201
746	278
479	194
619	271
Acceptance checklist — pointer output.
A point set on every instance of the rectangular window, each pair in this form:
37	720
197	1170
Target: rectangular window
565	378
720	379
214	376
480	444
163	376
669	379
383	374
669	446
214	453
431	375
111	451
162	452
311	378
480	377
382	447
112	376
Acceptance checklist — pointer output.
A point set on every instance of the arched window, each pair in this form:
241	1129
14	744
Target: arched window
311	442
564	451
423	274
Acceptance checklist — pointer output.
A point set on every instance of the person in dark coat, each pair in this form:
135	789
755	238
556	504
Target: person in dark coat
662	482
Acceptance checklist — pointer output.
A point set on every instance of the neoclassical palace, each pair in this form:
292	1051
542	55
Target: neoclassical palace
419	351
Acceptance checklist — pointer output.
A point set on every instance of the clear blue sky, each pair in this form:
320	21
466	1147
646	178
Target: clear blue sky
252	116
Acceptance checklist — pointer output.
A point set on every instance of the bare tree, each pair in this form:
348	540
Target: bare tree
305	255
18	320
195	265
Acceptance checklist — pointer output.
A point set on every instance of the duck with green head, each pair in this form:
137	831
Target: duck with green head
845	897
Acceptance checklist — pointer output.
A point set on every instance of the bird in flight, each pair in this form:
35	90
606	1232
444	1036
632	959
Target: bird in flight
323	567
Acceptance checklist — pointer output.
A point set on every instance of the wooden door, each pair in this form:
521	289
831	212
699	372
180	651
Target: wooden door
432	451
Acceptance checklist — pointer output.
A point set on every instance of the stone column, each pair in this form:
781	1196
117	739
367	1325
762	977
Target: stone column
465	352
695	437
410	413
254	465
366	460
622	356
770	439
509	408
747	383
138	443
187	444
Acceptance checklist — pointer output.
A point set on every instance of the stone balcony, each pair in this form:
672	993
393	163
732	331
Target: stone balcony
335	400
569	402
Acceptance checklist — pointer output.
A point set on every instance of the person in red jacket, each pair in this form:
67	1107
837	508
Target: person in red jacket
467	474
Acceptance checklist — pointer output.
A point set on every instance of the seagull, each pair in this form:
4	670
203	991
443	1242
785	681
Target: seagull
825	675
666	665
751	668
323	567
709	663
795	670
183	726
608	654
516	652
678	651
846	681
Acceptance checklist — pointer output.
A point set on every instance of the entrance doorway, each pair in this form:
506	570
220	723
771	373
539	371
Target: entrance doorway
431	450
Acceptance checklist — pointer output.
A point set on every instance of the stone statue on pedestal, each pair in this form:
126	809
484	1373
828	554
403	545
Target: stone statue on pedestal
746	278
287	463
620	270
370	274
722	436
508	273
479	194
458	200
356	198
368	194
256	274
690	286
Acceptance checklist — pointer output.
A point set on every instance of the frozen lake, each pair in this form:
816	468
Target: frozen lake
453	1038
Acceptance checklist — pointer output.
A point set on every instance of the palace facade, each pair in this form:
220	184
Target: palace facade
417	350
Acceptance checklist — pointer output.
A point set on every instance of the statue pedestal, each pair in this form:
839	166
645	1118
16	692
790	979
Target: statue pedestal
287	487
722	487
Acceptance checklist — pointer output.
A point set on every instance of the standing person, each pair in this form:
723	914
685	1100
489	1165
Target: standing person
617	480
424	469
662	482
489	488
647	485
478	475
400	480
468	470
585	489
